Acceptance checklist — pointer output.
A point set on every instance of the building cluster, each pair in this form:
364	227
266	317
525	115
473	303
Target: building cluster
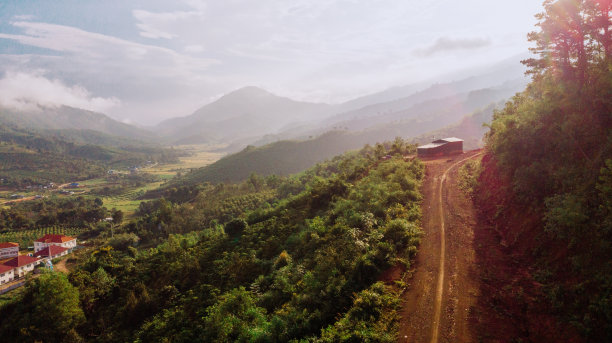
47	247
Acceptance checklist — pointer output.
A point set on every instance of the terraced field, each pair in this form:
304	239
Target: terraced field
25	238
128	201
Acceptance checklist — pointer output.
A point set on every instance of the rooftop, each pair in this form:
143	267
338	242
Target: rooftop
439	142
4	245
4	269
448	140
431	145
54	239
20	260
51	250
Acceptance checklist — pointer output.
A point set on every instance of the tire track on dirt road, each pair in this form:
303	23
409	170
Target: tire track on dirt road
436	307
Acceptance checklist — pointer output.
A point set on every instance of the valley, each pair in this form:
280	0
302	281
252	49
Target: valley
125	197
322	172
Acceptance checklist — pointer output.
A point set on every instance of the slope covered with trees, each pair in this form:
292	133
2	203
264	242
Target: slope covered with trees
550	159
296	258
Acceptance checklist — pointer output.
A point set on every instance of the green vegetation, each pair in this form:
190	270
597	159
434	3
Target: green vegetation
51	312
25	238
554	143
35	157
54	211
468	176
269	259
280	158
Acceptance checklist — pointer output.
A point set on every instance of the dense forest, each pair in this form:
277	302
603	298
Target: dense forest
268	259
550	160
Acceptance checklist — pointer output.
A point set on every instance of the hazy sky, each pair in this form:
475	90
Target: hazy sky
145	60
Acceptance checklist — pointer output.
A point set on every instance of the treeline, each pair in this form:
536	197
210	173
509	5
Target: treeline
76	212
553	143
266	260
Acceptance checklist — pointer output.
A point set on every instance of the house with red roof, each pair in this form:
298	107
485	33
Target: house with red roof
6	274
52	251
22	264
57	240
8	250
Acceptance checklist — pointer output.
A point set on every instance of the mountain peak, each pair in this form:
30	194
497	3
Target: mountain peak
249	91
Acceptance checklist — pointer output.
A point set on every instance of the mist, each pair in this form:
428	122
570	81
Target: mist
147	61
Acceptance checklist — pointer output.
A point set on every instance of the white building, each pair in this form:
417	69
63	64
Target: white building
6	274
8	250
57	240
22	265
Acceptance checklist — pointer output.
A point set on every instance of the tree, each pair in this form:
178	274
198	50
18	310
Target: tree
235	227
236	318
573	34
117	216
49	311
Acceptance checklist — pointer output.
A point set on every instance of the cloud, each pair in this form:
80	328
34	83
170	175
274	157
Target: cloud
449	44
23	17
194	48
29	90
152	24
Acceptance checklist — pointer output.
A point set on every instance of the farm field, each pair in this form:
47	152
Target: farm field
198	156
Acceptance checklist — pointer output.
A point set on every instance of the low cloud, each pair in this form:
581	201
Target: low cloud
445	44
28	91
23	17
157	25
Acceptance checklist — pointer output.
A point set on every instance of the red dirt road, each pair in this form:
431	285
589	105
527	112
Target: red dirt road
442	293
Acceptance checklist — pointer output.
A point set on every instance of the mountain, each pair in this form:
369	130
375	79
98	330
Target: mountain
444	85
279	158
415	109
415	120
453	116
247	112
70	118
471	129
447	92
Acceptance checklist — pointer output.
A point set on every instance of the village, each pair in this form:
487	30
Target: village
15	266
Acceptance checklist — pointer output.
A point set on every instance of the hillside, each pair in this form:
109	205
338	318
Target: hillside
69	118
247	112
37	157
279	158
296	259
545	188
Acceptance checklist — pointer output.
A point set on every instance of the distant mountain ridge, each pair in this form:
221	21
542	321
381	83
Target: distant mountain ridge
70	118
246	112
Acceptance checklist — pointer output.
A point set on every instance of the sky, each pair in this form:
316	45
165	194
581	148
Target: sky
142	61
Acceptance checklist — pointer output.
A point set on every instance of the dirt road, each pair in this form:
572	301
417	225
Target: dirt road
61	266
438	303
